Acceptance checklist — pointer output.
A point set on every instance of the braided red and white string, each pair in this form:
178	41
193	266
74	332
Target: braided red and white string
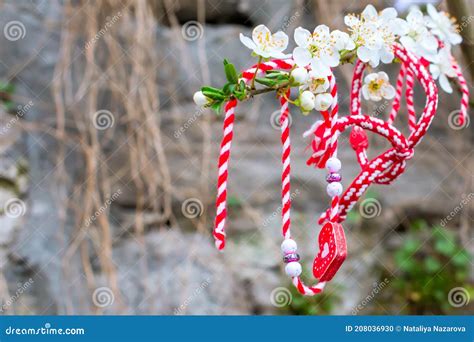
398	95
383	169
224	153
464	93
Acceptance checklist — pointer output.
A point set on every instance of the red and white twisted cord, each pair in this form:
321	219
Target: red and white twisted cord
464	92
224	153
398	95
410	83
285	193
223	172
285	160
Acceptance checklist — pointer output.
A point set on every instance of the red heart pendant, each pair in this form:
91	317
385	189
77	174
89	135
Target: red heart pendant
332	251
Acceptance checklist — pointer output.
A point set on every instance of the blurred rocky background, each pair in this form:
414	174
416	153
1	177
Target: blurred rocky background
108	171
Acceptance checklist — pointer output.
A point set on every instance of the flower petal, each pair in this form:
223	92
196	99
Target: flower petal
351	20
301	56
415	15
386	55
365	92
279	41
370	13
331	58
433	13
323	31
262	52
370	77
399	26
364	54
388	91
444	83
454	38
408	43
319	69
247	42
302	37
279	54
261	35
383	75
388	13
435	70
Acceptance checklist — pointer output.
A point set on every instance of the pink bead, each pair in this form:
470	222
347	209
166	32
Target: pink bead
333	177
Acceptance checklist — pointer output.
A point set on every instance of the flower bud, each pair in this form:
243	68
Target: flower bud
300	75
200	99
323	101
307	101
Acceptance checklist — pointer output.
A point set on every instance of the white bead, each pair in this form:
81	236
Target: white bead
288	246
334	189
333	164
293	269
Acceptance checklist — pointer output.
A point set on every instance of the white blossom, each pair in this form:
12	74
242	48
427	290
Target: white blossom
315	83
318	49
377	86
443	26
418	39
441	68
375	33
266	44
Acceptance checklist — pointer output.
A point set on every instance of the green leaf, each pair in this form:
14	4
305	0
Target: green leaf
216	107
213	93
278	75
230	72
6	87
9	105
211	90
229	88
234	201
461	259
445	247
432	265
266	81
